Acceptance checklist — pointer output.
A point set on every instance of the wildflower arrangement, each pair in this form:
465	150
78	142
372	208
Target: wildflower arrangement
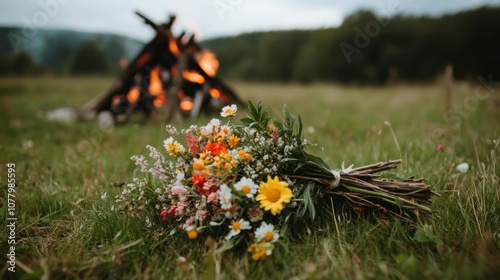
246	182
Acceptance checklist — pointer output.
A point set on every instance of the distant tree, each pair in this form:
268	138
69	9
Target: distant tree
246	69
5	64
88	58
278	53
115	50
57	51
399	48
22	64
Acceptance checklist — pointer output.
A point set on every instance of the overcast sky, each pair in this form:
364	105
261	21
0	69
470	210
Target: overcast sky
209	18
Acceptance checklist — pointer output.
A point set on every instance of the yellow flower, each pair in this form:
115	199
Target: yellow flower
192	234
198	164
233	141
260	250
173	147
273	194
244	155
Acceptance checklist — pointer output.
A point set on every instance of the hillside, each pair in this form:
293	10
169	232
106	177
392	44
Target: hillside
51	48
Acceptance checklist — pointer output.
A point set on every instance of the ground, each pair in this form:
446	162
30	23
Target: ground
68	174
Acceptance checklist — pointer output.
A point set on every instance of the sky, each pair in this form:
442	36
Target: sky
209	18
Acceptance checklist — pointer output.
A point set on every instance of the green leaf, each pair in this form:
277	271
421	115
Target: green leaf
247	120
299	128
425	235
307	203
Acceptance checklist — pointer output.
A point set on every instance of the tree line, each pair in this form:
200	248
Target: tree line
63	52
368	49
87	59
365	49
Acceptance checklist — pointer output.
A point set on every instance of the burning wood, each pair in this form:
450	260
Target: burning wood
169	74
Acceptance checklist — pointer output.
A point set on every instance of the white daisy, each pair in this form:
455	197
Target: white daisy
267	233
237	226
229	111
247	186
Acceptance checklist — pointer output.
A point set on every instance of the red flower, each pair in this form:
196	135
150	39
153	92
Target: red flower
199	181
440	148
205	186
165	214
276	132
215	149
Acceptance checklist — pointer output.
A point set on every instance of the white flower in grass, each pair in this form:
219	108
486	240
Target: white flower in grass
229	111
237	226
267	233
225	197
27	144
247	186
463	167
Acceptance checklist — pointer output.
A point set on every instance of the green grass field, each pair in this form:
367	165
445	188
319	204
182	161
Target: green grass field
66	179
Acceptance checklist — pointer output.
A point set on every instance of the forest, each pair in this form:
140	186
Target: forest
365	49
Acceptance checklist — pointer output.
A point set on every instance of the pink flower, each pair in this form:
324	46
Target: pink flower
188	224
440	147
192	144
213	198
275	134
165	214
181	207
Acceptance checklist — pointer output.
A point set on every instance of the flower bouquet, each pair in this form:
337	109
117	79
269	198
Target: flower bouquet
245	183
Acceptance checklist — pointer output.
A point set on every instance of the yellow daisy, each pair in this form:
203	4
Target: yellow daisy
273	194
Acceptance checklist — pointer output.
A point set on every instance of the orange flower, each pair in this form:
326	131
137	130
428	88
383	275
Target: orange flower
192	234
199	181
215	148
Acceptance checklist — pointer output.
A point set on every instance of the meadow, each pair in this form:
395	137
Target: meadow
68	174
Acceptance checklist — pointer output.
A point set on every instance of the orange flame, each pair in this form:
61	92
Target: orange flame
215	93
193	77
155	85
186	104
133	95
208	62
159	100
142	59
172	45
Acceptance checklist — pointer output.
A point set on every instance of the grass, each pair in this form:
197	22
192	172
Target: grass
66	184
